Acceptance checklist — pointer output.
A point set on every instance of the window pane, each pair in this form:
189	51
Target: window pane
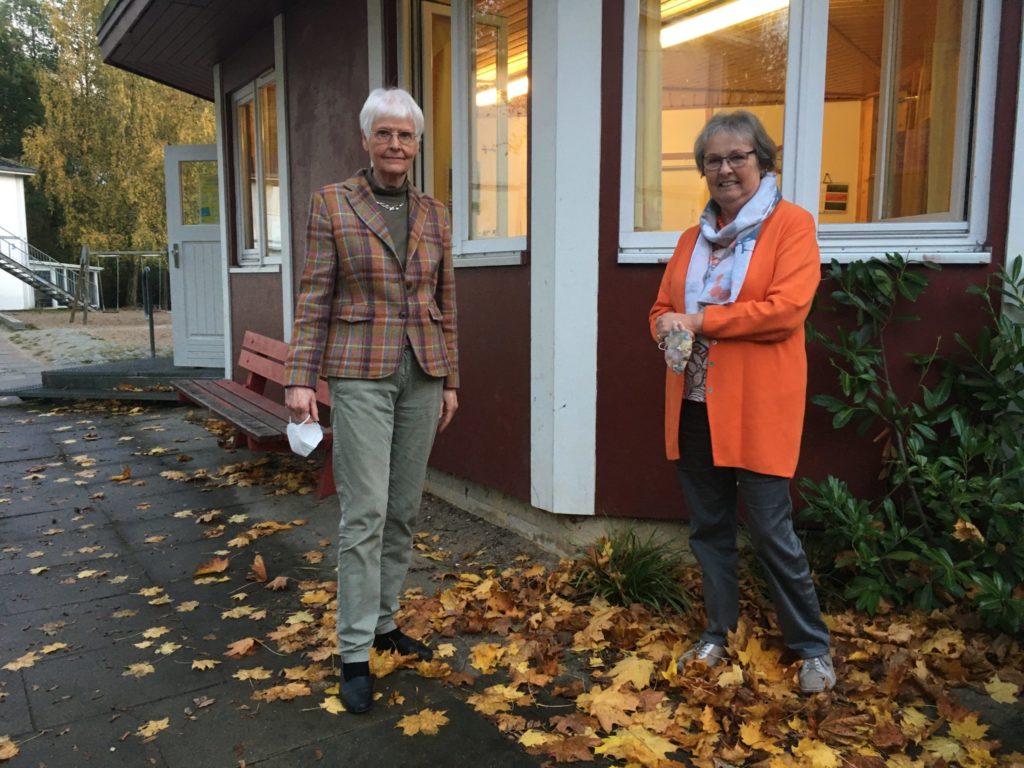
498	119
696	58
200	203
268	156
896	118
437	102
247	189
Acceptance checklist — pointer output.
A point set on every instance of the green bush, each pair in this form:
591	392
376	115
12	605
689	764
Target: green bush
949	527
623	569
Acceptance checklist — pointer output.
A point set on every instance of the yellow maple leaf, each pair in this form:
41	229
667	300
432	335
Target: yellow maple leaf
126	474
943	746
53	648
636	744
444	651
256	673
162	600
485	657
124	613
762	661
167	649
383	664
632	669
187	606
316	597
333	705
39	570
426	721
967	729
150	591
241	648
965	530
946	641
1003	692
8	748
154	632
434	669
285	692
153	539
237	613
216	565
609	705
22	662
204	664
138	670
534	738
752	735
153	727
818	753
731	676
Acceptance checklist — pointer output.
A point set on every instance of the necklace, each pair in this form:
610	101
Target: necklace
390	206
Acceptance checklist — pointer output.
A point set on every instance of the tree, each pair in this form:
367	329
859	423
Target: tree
99	149
26	45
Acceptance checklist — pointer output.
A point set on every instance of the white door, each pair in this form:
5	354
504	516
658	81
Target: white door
193	243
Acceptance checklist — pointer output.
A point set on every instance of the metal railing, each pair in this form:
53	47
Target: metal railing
23	245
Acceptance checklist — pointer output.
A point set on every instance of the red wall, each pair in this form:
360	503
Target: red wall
633	477
489	440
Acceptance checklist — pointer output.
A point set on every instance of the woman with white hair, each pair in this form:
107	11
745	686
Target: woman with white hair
376	316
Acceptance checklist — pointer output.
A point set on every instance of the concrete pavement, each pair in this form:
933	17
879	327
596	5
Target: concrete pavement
86	562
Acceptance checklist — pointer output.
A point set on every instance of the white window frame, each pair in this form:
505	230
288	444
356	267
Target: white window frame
467	251
951	242
260	259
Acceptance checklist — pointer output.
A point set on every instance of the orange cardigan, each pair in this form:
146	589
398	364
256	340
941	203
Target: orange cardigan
757	364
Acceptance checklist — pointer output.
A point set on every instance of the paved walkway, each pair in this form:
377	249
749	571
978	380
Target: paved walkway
95	573
17	368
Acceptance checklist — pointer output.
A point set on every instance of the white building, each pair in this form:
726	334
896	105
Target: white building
14	294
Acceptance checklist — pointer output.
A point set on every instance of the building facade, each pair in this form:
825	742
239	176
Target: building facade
560	136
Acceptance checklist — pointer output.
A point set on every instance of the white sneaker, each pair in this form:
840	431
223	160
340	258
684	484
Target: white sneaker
817	674
708	654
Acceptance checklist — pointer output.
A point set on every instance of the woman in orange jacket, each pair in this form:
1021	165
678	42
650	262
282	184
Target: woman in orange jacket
738	289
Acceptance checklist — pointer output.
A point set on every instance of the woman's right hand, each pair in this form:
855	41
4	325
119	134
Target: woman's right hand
301	403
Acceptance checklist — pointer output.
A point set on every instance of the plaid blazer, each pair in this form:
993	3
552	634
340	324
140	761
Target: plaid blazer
357	305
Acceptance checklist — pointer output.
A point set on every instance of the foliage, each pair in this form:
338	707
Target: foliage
623	569
99	149
948	527
25	46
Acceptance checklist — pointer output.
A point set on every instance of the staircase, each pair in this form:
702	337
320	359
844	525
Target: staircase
11	248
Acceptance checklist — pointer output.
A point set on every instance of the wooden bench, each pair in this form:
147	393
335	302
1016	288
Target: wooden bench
261	423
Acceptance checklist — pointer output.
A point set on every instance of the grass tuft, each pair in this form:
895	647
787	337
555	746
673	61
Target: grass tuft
623	569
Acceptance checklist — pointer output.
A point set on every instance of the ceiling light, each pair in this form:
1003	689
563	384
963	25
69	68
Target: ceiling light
716	19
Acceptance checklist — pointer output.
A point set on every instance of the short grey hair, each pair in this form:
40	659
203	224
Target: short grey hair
742	123
390	102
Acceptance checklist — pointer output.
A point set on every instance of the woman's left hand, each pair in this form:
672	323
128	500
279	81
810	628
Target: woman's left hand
677	321
449	405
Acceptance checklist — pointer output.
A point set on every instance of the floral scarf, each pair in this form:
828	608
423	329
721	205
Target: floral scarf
718	279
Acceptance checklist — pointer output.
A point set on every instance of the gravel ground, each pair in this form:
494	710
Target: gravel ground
108	336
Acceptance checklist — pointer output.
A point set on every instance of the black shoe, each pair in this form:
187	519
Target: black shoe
403	644
357	694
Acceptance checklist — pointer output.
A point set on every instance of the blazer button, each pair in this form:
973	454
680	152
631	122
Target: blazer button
410	284
403	314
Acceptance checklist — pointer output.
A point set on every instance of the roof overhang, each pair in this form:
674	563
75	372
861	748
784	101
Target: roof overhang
11	168
177	42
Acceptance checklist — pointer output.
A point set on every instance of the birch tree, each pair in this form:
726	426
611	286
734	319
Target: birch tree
99	149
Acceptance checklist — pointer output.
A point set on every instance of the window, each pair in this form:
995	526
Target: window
257	174
473	71
889	144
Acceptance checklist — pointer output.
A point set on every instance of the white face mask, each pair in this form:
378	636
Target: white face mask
304	437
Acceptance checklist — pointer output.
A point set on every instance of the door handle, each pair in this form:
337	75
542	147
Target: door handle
176	255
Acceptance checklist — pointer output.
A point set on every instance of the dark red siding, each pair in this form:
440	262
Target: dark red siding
255	306
327	85
489	440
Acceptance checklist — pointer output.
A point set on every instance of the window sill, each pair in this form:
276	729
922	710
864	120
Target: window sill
254	269
496	259
844	255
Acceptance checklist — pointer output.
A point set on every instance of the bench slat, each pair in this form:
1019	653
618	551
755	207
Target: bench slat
223	403
272	348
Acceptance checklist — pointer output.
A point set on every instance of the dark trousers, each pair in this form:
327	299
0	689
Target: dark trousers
711	493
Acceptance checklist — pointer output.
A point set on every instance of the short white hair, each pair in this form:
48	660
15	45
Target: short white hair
390	102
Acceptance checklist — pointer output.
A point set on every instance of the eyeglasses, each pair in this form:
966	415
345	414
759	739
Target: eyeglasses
735	160
384	136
